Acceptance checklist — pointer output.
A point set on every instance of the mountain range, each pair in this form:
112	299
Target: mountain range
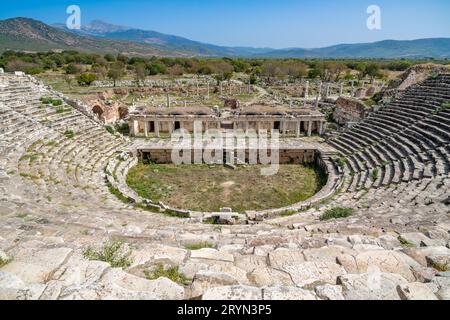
101	37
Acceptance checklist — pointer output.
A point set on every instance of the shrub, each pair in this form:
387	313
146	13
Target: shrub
4	262
336	213
57	102
199	245
374	174
171	273
405	243
113	253
69	134
86	79
110	129
60	110
46	100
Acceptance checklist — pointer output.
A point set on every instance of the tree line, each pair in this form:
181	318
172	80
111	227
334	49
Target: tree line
86	67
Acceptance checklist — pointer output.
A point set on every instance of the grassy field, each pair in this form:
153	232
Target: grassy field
209	188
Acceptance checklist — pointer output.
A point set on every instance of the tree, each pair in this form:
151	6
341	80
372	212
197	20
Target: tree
373	70
72	69
140	73
116	71
86	79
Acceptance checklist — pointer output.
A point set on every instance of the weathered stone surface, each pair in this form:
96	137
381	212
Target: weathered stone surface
326	254
348	262
387	261
211	254
439	262
329	292
267	277
250	262
281	257
415	291
37	265
420	240
117	284
233	293
314	272
205	280
158	254
371	286
287	293
420	254
192	267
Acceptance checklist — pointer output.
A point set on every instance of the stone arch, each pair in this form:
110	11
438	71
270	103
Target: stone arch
98	111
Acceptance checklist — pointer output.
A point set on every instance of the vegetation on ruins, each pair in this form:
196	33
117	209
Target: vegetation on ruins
171	273
4	262
199	245
69	134
116	253
405	243
375	174
337	213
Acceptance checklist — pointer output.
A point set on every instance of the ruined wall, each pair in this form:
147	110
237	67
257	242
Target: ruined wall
286	156
349	110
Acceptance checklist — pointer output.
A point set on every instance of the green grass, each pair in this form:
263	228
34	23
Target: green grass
405	243
69	134
171	273
118	194
113	253
440	267
337	213
4	262
199	245
208	188
288	213
374	174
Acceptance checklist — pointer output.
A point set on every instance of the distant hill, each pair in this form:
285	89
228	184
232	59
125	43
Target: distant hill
32	35
101	37
388	49
163	41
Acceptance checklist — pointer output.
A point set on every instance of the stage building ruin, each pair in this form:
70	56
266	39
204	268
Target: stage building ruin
157	121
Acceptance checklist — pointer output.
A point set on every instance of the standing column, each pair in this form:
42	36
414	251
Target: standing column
198	90
249	86
341	89
157	129
306	94
221	88
207	90
168	101
321	128
309	128
145	128
327	91
352	94
298	128
229	88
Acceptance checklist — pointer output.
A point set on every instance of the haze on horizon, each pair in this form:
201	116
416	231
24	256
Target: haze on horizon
269	23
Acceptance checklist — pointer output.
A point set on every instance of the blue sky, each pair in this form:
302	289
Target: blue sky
259	23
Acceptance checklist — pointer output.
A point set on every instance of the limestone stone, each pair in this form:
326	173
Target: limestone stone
158	254
250	262
348	262
231	293
192	267
437	233
211	254
439	262
329	292
117	284
423	274
420	240
205	280
37	265
371	286
307	273
328	254
415	291
265	276
12	287
420	254
387	261
281	257
287	293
